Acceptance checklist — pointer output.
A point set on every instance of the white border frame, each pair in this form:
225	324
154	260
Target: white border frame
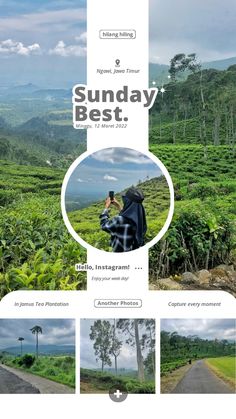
88	246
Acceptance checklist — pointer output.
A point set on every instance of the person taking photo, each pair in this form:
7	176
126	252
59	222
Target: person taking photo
127	229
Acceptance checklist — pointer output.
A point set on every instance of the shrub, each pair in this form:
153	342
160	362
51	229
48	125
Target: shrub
27	360
197	239
136	387
50	372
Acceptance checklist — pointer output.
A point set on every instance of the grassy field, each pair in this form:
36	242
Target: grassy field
92	381
225	368
157	200
56	368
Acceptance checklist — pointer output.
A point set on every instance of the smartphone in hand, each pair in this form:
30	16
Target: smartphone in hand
111	195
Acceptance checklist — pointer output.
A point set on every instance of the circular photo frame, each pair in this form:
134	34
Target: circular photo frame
117	200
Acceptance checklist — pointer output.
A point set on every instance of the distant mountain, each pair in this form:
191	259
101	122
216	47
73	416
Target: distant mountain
23	89
29	87
43	349
119	370
48	131
159	72
220	64
3	123
32	91
52	94
37	124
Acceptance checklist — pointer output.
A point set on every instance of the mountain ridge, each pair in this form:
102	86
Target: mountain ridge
43	349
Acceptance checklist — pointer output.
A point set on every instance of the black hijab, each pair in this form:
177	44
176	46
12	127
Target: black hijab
134	211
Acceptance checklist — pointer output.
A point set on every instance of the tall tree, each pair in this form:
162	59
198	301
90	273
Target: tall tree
116	345
182	62
131	329
20	340
101	333
149	342
36	330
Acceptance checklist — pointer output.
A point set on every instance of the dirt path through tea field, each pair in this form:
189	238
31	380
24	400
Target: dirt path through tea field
200	379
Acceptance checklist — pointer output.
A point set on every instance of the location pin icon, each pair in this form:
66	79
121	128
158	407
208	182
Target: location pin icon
117	63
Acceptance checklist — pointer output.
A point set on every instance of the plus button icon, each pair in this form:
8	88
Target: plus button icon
118	394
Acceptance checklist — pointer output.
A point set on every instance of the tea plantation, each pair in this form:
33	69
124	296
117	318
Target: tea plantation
36	251
202	232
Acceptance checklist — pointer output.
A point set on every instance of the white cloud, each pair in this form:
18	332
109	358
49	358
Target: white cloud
56	20
77	50
82	38
108	177
204	328
9	47
80	180
121	156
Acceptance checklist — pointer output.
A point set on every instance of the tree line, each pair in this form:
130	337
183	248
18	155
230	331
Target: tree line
203	106
175	346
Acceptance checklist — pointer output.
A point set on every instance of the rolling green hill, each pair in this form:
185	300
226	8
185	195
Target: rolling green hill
86	221
50	140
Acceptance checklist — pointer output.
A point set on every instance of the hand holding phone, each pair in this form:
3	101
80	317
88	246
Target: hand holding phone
111	195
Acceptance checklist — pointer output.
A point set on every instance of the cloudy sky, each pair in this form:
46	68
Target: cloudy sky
206	27
44	41
55	331
127	358
204	328
110	169
39	37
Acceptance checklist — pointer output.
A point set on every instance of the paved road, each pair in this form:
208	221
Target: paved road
199	379
40	384
10	383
